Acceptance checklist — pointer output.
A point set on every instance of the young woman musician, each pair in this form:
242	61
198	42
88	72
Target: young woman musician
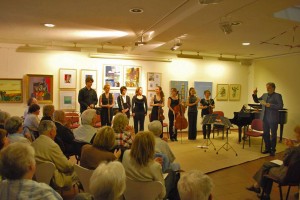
192	103
207	105
139	109
124	102
106	103
173	101
157	102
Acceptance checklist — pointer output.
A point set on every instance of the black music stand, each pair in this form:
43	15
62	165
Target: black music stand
208	119
226	146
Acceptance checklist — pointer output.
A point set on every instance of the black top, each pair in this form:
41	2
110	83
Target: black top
107	101
139	105
205	102
154	112
174	102
123	105
193	108
87	97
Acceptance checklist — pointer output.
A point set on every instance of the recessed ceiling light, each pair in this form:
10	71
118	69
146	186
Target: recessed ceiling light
136	10
49	25
236	23
246	43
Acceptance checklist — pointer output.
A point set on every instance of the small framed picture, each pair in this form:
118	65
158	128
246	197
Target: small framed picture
222	92
132	76
88	73
113	76
40	87
67	100
67	78
153	80
234	92
150	95
11	90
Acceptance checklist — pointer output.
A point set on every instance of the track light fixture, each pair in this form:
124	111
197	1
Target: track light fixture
181	55
141	42
206	2
226	27
176	46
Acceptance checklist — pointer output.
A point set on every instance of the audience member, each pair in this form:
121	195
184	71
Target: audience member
108	181
3	139
47	150
30	101
194	185
124	133
162	146
17	165
292	155
92	155
14	128
85	132
3	117
48	111
31	122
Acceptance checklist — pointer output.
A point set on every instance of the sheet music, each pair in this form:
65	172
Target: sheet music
278	162
262	102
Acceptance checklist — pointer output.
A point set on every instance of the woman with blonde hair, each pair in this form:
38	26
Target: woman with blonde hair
139	109
106	102
123	132
104	141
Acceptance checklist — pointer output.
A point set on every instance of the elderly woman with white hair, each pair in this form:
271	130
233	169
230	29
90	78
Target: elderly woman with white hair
194	185
14	128
3	117
86	132
17	165
162	147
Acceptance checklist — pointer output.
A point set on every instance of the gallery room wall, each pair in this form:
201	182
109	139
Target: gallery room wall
284	72
16	65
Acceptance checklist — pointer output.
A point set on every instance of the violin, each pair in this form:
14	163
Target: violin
161	116
180	121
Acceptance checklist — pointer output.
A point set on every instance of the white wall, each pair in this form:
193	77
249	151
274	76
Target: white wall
284	72
16	65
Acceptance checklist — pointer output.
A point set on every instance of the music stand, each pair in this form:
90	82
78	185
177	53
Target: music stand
208	119
226	146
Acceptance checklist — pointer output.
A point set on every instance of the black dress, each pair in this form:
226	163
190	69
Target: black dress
106	113
172	129
155	109
139	109
124	105
192	118
206	128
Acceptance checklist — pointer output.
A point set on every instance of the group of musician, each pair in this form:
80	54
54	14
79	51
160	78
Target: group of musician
87	98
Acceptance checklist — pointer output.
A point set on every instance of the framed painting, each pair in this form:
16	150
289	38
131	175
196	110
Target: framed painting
234	92
182	87
222	92
150	94
40	87
67	100
132	76
88	73
11	90
113	75
200	87
153	80
67	78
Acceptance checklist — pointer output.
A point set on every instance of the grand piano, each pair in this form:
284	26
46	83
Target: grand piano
246	115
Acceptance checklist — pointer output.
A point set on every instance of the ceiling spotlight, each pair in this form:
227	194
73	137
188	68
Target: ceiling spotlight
246	43
136	10
176	46
226	27
141	42
49	25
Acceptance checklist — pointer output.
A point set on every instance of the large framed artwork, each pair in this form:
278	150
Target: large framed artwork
234	92
153	80
67	100
88	73
40	87
132	76
113	75
67	78
200	87
222	92
150	94
182	87
11	90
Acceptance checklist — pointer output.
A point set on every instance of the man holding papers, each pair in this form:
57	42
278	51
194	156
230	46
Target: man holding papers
271	104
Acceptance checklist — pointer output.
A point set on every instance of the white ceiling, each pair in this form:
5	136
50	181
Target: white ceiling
21	23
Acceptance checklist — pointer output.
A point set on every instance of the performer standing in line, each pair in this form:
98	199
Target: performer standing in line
207	105
271	104
124	102
87	97
192	103
139	109
106	103
173	101
157	102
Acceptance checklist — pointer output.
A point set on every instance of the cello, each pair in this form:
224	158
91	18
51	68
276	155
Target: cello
180	121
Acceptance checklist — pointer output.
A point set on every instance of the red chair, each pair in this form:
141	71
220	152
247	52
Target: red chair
218	127
98	122
72	118
255	131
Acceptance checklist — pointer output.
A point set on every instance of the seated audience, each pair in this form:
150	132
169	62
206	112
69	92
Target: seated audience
63	133
30	101
85	132
47	150
14	128
17	165
48	111
108	181
3	139
124	133
292	155
194	185
139	163
92	155
31	122
3	117
162	146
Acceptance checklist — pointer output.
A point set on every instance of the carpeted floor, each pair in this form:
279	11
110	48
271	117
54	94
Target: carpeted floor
207	160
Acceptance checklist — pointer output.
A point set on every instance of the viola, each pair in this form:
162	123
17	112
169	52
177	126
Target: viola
161	116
